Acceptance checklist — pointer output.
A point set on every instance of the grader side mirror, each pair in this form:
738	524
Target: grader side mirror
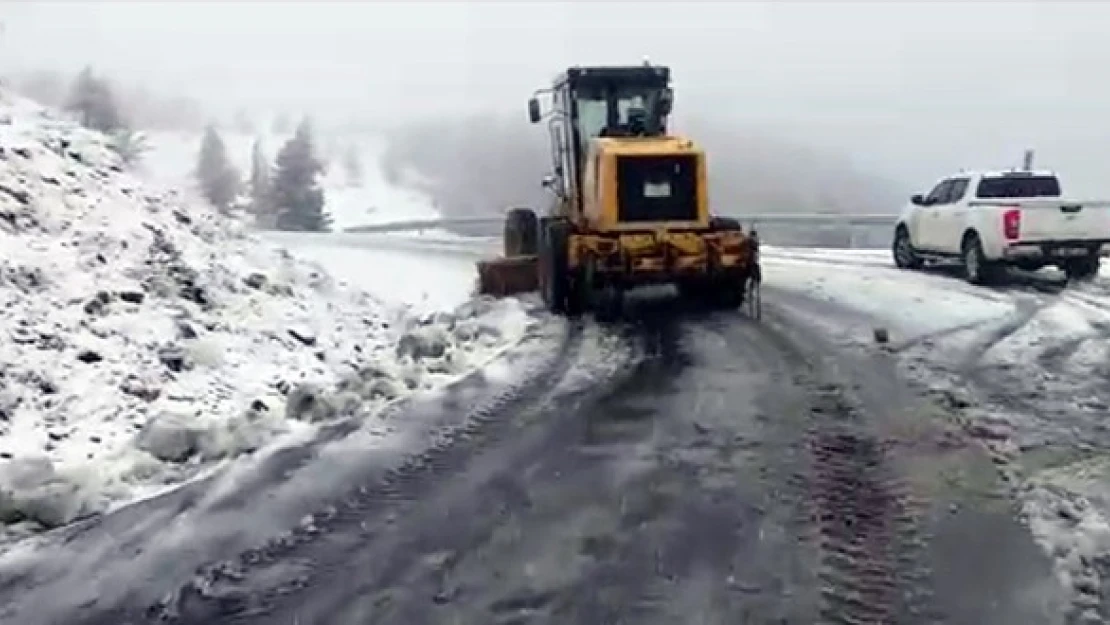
534	110
666	102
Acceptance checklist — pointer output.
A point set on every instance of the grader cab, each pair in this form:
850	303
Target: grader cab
630	203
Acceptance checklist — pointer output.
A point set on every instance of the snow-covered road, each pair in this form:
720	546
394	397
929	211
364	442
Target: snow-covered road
1025	365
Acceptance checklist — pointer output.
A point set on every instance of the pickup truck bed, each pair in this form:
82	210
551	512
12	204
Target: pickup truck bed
1047	219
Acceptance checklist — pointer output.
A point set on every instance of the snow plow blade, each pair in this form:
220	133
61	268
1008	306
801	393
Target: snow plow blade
503	276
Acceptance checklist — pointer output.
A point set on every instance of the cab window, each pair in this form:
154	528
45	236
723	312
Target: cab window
939	192
956	191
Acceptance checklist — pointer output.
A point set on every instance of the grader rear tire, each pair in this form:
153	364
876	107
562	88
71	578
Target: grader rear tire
724	223
727	292
521	236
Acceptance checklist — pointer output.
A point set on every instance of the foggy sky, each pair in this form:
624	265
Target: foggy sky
913	90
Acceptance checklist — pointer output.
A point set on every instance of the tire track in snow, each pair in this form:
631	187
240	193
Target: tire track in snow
920	339
245	582
1090	301
873	563
207	596
1025	310
844	261
872	547
489	505
1054	357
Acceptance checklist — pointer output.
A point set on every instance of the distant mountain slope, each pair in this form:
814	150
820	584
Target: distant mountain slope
482	164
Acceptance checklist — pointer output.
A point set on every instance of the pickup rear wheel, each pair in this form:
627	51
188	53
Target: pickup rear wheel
1082	268
977	269
905	257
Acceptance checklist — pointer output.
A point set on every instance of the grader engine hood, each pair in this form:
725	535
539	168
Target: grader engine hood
639	182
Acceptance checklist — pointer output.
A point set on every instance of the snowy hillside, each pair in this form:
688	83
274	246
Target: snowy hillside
173	157
149	339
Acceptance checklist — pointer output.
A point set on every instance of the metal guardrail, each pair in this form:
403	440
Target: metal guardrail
767	218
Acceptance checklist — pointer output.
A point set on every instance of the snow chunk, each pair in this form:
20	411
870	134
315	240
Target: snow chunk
170	437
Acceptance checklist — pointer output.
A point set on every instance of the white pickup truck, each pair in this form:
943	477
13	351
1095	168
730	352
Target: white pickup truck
992	219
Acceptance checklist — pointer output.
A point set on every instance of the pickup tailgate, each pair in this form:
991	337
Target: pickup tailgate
1056	219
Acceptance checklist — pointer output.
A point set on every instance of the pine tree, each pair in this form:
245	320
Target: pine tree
218	178
130	145
298	200
92	99
260	186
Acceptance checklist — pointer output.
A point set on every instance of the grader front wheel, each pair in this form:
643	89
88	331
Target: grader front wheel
555	285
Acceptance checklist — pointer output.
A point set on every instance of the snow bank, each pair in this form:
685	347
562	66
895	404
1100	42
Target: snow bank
916	304
149	339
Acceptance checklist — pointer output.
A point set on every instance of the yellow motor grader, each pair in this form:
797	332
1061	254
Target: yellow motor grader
630	207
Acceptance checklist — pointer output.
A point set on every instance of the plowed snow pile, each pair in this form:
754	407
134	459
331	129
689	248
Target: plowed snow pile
147	338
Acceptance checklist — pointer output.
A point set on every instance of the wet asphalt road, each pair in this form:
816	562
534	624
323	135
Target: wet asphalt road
724	471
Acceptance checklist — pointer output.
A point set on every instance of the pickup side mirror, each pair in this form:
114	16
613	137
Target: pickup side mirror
548	182
534	110
917	199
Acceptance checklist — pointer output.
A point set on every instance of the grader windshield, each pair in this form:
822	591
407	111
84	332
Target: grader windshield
620	110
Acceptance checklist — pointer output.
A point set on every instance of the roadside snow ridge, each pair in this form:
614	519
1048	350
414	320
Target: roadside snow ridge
149	337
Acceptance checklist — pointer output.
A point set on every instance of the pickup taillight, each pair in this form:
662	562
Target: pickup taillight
1011	223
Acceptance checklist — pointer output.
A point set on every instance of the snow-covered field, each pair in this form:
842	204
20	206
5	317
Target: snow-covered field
150	341
394	271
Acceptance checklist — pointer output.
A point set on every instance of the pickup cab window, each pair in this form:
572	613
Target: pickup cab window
1004	187
956	191
939	193
947	191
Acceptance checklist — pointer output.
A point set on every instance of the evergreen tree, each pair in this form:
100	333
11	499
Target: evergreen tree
260	187
94	102
296	197
130	145
218	178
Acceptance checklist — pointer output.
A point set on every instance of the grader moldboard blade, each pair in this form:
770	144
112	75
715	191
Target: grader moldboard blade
516	271
501	277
